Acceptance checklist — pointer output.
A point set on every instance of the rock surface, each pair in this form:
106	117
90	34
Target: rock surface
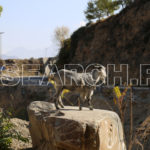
71	129
22	127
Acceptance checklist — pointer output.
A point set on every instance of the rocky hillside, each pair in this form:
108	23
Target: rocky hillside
22	127
28	64
121	39
17	98
17	65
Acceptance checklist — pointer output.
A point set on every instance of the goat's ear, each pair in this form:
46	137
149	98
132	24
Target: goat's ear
99	67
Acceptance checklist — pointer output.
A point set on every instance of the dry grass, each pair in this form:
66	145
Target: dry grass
137	136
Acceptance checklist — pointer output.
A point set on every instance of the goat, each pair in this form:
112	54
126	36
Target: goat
82	84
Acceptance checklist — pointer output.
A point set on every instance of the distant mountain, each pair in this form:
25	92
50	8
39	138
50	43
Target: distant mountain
9	57
23	53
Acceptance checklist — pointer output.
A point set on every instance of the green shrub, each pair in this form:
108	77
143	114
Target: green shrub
7	132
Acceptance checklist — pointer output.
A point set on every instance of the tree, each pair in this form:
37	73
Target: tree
1	9
107	6
92	11
97	9
61	34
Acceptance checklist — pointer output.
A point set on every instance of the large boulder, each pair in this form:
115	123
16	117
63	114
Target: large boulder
71	129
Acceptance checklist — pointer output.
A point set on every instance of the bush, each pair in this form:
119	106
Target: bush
7	132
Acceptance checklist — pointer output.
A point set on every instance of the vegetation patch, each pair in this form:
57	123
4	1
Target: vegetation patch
7	132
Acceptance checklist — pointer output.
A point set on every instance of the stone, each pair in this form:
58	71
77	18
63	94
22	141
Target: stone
71	129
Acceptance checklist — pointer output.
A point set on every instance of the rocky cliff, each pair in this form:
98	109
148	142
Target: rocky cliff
71	129
121	39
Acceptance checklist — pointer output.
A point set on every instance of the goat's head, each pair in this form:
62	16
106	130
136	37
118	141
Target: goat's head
99	73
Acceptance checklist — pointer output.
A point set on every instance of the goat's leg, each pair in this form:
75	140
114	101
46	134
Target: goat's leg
60	101
90	104
56	103
80	103
90	99
57	98
82	97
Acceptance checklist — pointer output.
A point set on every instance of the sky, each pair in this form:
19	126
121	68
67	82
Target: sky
29	25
